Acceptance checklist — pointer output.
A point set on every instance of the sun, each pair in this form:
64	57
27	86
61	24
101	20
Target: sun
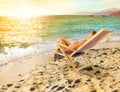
24	12
28	11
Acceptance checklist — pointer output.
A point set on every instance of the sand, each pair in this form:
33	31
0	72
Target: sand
11	71
35	75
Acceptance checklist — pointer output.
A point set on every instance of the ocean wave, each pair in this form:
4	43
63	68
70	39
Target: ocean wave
17	52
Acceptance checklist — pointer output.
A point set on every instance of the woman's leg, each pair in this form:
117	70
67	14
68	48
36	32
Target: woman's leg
72	47
76	45
64	41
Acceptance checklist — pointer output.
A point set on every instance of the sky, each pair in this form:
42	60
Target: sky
53	7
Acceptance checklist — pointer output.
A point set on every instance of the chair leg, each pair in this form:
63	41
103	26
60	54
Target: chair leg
89	60
69	60
52	56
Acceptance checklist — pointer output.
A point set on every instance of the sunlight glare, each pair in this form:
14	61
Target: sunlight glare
24	12
28	11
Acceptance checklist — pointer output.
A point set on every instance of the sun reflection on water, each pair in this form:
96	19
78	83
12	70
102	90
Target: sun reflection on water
20	29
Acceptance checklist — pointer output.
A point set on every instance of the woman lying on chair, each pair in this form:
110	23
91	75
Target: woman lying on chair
74	46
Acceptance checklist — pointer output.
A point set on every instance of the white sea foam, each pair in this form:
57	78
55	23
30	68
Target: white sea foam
16	52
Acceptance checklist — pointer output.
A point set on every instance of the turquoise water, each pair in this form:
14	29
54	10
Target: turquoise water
23	35
71	26
47	28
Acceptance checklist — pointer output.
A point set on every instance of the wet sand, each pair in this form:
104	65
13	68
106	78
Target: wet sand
35	75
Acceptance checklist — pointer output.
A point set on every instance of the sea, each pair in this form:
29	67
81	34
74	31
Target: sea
20	36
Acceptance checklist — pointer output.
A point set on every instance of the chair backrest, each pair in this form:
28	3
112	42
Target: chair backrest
93	41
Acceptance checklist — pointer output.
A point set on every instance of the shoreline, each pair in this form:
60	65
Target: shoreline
13	72
38	48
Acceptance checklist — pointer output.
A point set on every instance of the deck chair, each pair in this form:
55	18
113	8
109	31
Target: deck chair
83	48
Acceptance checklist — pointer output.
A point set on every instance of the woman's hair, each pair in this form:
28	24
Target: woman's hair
93	32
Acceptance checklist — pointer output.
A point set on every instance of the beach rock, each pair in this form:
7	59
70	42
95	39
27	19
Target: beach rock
67	90
9	85
110	86
41	73
40	83
34	83
44	66
89	68
94	90
76	64
101	61
71	86
99	78
102	80
54	87
99	55
96	66
32	88
47	87
115	70
66	68
19	74
4	87
97	72
89	80
115	91
106	74
17	86
69	81
114	51
104	53
60	88
86	83
21	80
58	79
77	81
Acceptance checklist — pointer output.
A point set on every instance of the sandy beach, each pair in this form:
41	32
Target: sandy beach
33	74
